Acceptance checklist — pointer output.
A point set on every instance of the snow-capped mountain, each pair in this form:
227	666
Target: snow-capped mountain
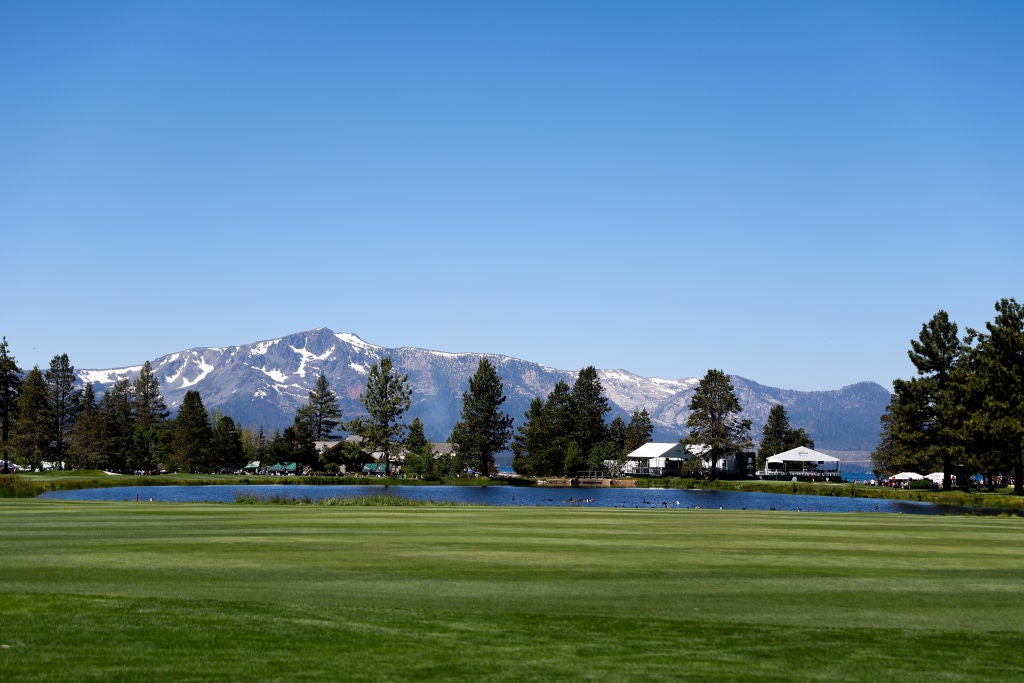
264	382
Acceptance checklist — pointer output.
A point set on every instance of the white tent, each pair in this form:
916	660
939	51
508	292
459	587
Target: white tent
655	455
801	459
906	476
936	477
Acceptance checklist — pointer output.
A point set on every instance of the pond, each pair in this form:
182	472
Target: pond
504	496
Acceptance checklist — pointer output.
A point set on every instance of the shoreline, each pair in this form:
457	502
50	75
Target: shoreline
31	485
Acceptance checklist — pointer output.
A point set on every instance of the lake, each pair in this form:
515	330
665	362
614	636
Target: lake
504	496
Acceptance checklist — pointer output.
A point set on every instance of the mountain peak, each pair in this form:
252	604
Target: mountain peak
262	383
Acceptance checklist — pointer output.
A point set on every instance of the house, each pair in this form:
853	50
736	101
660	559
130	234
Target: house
802	462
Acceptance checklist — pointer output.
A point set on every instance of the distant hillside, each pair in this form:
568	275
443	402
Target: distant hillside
262	383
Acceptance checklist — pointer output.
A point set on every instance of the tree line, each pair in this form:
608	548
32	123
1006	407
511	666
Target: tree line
567	432
964	410
45	417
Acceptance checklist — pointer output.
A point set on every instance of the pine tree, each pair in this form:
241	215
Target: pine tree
86	448
302	440
324	414
574	461
778	436
118	425
589	406
714	420
999	366
935	355
556	427
526	443
192	437
10	388
150	416
639	431
617	434
33	427
484	430
773	434
63	398
615	448
419	455
387	397
226	452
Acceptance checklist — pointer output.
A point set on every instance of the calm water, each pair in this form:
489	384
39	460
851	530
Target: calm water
510	495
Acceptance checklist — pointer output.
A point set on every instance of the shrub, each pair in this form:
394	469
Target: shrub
13	486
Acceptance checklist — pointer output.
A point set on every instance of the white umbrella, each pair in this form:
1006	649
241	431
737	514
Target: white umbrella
937	477
903	476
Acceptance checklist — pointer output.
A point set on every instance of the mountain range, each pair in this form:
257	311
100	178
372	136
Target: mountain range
262	383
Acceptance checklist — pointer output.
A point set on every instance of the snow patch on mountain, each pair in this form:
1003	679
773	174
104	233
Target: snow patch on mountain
204	370
305	356
353	340
261	348
275	375
171	379
107	376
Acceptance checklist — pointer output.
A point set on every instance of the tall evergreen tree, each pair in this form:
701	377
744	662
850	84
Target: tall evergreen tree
575	461
63	398
324	414
118	425
419	455
300	435
10	389
484	429
86	448
261	445
589	406
714	419
935	354
639	431
556	431
527	443
922	428
999	363
543	439
34	425
226	451
617	435
150	420
387	398
778	436
192	438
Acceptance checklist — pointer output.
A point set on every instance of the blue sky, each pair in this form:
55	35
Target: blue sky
783	190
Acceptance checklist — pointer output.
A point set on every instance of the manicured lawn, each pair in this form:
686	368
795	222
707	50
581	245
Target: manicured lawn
126	591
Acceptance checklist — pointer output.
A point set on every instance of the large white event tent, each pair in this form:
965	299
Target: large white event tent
801	460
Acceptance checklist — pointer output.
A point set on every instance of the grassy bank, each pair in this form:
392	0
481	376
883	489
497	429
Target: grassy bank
998	499
126	591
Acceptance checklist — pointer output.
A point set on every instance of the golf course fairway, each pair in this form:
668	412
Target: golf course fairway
180	592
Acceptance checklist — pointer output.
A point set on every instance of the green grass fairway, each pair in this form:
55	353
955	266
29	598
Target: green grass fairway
146	592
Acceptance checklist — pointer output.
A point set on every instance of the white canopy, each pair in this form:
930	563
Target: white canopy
671	451
903	476
937	477
801	454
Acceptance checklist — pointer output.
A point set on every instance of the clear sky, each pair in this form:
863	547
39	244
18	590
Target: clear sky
783	190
